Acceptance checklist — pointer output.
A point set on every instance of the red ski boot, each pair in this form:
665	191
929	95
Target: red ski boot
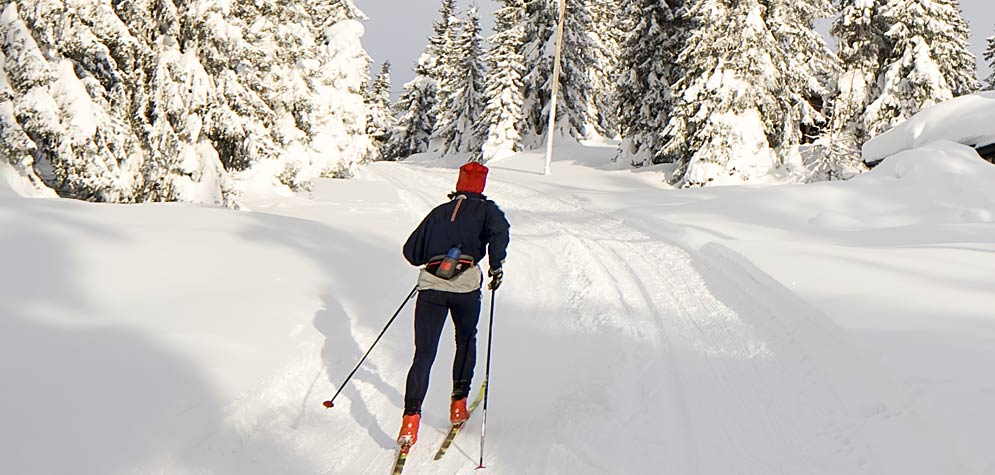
457	411
409	430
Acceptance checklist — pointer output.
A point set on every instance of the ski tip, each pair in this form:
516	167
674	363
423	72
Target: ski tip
328	404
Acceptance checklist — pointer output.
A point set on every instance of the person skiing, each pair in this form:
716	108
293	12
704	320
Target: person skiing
448	244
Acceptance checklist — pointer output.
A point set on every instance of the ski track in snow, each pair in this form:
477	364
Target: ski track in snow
725	384
715	368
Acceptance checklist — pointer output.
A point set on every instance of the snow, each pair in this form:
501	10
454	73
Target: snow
965	120
834	328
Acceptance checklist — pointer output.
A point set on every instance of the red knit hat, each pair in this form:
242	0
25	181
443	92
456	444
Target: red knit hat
472	178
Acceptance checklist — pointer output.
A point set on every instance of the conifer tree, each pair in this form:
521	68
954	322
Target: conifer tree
862	48
812	67
442	37
415	122
152	100
608	30
380	121
645	75
81	146
573	114
448	64
860	30
503	87
990	57
729	117
540	25
573	111
927	61
416	109
460	99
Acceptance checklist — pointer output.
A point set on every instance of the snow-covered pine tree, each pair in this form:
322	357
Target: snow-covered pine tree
573	114
460	99
927	61
416	107
239	123
337	132
447	71
862	46
441	39
860	30
61	81
503	86
608	30
990	57
537	54
729	116
380	121
812	68
415	122
645	74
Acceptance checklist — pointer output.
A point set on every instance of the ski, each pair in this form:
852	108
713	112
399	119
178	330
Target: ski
448	441
402	457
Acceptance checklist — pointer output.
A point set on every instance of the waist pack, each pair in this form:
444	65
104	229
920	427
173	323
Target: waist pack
449	266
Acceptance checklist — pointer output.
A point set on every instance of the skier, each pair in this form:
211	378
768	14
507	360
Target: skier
449	243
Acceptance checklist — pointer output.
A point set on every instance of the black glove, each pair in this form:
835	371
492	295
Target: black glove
497	275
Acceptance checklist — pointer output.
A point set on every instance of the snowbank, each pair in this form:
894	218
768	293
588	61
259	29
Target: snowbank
967	120
833	328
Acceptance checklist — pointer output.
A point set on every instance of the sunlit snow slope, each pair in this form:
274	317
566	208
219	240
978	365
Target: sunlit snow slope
778	330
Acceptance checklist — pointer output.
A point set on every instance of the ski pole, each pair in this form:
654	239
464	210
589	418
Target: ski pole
487	379
331	402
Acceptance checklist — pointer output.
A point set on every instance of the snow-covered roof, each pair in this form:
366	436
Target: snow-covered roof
968	120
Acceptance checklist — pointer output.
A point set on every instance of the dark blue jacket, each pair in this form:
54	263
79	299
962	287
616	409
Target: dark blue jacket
470	221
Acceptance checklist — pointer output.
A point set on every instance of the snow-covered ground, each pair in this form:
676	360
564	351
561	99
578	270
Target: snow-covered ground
966	120
838	328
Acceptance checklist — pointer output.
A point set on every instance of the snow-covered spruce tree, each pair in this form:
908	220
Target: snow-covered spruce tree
239	122
61	85
415	121
990	57
645	74
442	37
380	121
416	107
860	30
608	30
927	61
461	106
573	114
291	77
337	132
175	97
503	84
447	69
537	54
729	117
812	67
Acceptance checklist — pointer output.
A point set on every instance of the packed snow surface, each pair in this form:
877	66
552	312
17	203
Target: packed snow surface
836	328
966	120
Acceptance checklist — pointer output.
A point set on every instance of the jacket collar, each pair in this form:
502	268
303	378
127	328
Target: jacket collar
468	195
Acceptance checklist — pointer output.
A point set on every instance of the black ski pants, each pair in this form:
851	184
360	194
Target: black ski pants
430	316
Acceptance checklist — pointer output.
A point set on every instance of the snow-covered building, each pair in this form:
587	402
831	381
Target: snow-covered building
968	120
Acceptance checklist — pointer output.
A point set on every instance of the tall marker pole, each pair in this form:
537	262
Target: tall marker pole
556	87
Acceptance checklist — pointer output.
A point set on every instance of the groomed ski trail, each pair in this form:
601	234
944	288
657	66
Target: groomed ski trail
615	351
748	381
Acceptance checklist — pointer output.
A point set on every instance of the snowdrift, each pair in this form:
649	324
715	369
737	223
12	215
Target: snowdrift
820	329
967	120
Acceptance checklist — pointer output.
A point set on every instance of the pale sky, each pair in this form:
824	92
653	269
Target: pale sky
398	29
